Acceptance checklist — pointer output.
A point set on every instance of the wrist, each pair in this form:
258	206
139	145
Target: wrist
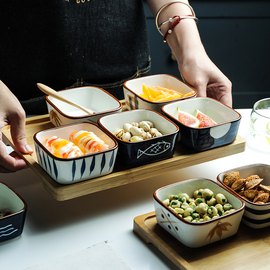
185	40
176	21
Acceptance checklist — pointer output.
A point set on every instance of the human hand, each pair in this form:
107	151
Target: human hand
12	113
202	74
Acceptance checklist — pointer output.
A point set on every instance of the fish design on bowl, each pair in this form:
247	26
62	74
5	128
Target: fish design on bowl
155	149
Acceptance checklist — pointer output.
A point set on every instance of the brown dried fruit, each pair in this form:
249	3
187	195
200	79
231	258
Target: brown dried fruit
253	183
254	176
238	184
250	194
264	188
250	188
230	177
241	192
262	197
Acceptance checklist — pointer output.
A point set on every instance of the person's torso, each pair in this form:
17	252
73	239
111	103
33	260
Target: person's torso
59	42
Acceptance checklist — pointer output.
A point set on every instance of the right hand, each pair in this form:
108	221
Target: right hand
12	113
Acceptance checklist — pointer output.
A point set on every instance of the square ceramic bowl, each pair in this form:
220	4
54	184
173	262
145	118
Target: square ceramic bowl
197	234
256	215
134	88
71	170
205	138
94	98
144	151
13	209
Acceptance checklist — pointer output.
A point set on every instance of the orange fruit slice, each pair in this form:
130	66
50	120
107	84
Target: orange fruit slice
160	94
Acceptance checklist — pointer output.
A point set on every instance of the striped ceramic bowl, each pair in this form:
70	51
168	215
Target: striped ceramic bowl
256	215
71	170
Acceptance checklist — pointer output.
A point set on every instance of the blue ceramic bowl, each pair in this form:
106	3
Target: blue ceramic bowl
256	215
146	151
71	170
11	225
201	139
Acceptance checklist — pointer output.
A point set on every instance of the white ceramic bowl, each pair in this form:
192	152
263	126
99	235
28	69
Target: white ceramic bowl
133	89
94	98
202	233
11	225
146	151
71	170
256	215
200	139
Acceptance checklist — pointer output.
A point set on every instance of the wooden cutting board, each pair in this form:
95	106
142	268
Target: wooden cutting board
121	175
249	249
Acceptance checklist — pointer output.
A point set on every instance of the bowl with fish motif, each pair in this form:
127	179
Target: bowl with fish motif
143	136
154	91
89	97
198	212
12	213
75	152
252	184
213	123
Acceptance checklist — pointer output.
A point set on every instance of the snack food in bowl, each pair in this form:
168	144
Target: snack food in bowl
252	184
143	136
154	91
75	152
204	123
89	97
198	211
12	213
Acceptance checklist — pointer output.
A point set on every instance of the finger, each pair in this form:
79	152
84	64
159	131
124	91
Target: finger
17	130
10	162
201	89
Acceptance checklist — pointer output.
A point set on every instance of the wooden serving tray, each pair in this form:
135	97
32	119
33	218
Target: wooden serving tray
248	249
121	174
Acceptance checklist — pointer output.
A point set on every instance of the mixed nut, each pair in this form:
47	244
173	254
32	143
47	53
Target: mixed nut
136	132
203	207
250	188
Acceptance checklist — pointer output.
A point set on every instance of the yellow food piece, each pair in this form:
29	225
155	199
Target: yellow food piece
160	94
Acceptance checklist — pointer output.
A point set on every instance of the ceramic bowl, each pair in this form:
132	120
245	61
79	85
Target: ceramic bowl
133	89
146	151
94	98
71	170
256	215
11	224
197	234
201	139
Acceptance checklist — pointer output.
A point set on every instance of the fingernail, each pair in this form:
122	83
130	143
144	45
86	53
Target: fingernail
28	148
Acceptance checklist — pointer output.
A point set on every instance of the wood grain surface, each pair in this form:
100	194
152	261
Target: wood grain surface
248	249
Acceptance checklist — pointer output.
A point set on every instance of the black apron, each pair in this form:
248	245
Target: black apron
70	43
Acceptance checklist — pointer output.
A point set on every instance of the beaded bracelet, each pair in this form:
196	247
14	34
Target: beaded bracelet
178	19
168	4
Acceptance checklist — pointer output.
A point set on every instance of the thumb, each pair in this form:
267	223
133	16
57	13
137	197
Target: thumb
17	130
